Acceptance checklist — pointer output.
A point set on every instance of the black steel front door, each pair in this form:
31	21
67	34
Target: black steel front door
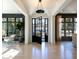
39	29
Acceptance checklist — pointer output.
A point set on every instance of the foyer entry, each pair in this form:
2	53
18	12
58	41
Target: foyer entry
39	30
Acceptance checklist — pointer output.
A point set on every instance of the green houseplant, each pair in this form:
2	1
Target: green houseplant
20	26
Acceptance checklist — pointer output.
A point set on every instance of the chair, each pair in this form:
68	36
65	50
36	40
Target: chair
10	38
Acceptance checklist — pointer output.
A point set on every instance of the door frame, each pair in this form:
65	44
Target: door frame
63	15
46	37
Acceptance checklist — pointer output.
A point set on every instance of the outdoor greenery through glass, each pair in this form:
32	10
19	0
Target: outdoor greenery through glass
12	26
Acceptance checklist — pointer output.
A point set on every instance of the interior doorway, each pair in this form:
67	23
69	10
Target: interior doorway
39	30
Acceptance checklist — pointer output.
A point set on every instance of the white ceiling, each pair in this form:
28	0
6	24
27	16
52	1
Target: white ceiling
29	6
50	6
70	8
8	7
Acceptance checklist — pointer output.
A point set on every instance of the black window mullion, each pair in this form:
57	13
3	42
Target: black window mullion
41	26
15	25
7	27
35	26
44	25
73	25
47	26
64	27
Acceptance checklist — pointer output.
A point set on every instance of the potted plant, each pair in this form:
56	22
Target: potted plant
20	26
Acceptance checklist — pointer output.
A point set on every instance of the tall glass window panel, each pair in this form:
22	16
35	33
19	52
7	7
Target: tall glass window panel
18	30
11	19
75	19
11	28
61	20
75	27
61	28
68	32
4	26
19	20
38	33
43	25
33	29
33	22
46	25
69	26
75	24
39	26
62	33
68	20
33	26
4	19
4	29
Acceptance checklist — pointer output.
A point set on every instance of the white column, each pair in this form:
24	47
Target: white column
51	30
30	29
26	29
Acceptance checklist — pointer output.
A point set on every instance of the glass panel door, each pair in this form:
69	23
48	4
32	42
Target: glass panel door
39	29
4	29
46	29
67	28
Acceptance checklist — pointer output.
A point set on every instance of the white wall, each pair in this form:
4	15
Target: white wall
9	7
70	8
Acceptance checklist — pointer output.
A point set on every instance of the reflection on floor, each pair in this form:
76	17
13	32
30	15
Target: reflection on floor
62	50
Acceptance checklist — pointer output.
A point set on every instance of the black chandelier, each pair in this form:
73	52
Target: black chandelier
40	10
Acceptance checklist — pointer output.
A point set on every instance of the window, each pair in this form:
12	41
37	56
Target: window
13	24
68	26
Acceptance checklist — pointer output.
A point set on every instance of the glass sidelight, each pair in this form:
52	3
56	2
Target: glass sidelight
39	29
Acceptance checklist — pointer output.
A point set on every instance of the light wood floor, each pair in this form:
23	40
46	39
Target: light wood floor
63	50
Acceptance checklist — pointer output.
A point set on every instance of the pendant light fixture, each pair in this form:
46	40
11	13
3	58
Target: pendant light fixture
40	10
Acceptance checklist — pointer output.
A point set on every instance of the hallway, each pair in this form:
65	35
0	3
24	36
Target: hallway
63	50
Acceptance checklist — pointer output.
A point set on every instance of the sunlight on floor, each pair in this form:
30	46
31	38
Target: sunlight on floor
44	51
4	49
10	54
